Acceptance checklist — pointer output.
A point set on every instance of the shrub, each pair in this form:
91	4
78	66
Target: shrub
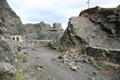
104	55
60	48
118	7
85	52
95	64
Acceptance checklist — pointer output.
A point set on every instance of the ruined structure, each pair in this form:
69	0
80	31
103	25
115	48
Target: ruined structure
97	30
17	38
43	31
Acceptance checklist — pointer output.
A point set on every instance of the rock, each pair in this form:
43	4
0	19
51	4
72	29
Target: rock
7	71
70	64
16	60
96	30
60	57
74	68
7	54
33	48
86	60
36	56
93	78
11	20
40	66
90	58
95	73
81	59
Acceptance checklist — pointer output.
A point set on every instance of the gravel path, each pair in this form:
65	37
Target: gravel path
53	70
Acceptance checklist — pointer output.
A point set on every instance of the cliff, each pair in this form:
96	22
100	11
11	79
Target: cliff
10	19
7	53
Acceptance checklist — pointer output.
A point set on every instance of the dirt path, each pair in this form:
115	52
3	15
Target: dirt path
53	70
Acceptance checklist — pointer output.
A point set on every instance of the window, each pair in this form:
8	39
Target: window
13	38
17	38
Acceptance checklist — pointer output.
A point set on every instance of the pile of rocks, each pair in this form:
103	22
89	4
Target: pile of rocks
74	59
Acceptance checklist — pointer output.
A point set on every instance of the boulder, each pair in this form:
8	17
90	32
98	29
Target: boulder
7	71
96	31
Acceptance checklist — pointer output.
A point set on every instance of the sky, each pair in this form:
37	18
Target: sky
51	11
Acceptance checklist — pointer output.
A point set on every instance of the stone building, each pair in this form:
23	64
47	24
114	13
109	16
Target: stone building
17	38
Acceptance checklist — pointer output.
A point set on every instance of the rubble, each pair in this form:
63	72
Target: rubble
73	60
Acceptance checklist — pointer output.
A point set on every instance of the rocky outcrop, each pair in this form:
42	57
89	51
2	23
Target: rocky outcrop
7	54
10	19
97	30
43	31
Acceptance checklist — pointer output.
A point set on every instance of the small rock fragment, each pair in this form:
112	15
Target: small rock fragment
74	68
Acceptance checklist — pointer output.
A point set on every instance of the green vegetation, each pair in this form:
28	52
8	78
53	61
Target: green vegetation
85	52
61	48
25	59
108	52
20	68
40	41
95	64
20	72
118	7
20	57
16	46
108	68
104	55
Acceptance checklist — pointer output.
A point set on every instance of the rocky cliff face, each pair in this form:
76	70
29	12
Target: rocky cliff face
10	19
97	30
7	54
43	31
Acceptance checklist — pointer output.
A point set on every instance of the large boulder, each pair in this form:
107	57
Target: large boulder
11	20
97	30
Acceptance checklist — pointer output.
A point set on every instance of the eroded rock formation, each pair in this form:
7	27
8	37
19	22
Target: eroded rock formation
97	30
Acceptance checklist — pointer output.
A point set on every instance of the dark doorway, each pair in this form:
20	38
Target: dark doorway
13	38
17	38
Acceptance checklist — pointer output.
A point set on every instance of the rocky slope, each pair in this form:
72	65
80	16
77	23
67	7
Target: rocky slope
7	54
43	31
97	31
11	20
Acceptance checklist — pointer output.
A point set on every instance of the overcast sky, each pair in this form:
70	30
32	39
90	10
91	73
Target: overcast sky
50	11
